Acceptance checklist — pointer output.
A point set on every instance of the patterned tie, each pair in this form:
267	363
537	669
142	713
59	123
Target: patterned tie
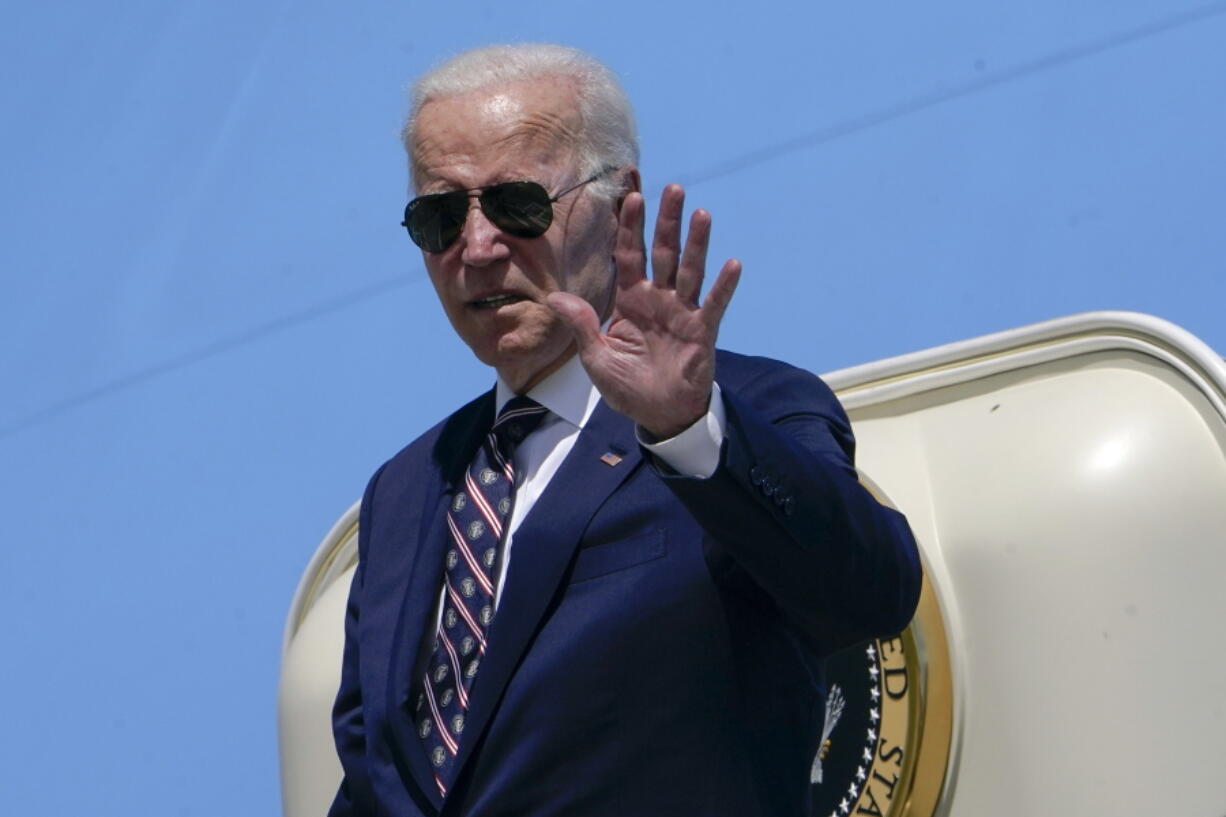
479	514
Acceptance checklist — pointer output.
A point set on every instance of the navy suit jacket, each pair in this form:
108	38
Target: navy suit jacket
659	639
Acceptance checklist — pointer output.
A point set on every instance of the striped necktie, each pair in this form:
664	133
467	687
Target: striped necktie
477	520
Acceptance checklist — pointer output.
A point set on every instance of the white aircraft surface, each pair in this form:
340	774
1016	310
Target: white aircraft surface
1066	482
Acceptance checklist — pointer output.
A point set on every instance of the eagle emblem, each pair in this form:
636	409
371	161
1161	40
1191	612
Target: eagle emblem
835	702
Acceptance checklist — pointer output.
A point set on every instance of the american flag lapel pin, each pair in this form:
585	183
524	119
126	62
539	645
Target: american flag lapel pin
610	459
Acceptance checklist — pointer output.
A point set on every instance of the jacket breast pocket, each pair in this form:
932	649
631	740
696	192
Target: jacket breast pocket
610	557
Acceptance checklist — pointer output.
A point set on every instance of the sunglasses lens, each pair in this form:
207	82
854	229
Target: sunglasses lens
522	209
435	221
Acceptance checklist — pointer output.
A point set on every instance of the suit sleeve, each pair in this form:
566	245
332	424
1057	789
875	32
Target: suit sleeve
353	798
785	504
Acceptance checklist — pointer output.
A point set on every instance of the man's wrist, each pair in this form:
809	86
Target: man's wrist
694	451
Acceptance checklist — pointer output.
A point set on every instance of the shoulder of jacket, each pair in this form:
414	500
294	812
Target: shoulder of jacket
422	449
734	370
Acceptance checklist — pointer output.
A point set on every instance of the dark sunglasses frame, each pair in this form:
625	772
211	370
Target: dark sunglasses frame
523	209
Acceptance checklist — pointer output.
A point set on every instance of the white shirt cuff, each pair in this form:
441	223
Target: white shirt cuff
695	451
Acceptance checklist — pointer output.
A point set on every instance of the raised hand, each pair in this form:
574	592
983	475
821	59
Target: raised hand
656	361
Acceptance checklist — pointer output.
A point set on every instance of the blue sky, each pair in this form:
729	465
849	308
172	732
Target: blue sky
215	329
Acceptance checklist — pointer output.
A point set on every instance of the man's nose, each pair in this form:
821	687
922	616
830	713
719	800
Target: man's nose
484	242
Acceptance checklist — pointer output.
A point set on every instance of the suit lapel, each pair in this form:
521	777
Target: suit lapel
545	543
454	449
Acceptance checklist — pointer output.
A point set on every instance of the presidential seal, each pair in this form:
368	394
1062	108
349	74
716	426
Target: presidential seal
885	739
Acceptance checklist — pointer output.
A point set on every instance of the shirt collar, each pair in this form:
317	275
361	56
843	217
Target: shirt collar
568	393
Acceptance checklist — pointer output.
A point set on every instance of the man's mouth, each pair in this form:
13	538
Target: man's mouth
495	301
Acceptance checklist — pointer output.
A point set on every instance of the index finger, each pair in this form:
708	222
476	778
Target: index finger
629	251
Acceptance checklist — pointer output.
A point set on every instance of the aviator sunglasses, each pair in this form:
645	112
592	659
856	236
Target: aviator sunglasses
523	209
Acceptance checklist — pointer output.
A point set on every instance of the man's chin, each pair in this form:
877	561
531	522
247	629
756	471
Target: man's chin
523	366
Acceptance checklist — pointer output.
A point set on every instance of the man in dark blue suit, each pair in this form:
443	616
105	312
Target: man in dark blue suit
621	608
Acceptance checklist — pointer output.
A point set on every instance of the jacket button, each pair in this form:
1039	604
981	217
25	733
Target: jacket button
789	505
781	498
756	475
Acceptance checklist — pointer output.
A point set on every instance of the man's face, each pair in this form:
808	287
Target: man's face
492	284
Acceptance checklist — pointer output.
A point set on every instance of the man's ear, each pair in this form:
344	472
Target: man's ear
630	183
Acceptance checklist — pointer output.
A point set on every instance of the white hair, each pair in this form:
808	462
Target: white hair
607	137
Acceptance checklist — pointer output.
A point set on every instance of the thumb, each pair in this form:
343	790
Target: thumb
577	314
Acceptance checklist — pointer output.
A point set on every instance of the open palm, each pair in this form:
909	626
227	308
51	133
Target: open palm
656	361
